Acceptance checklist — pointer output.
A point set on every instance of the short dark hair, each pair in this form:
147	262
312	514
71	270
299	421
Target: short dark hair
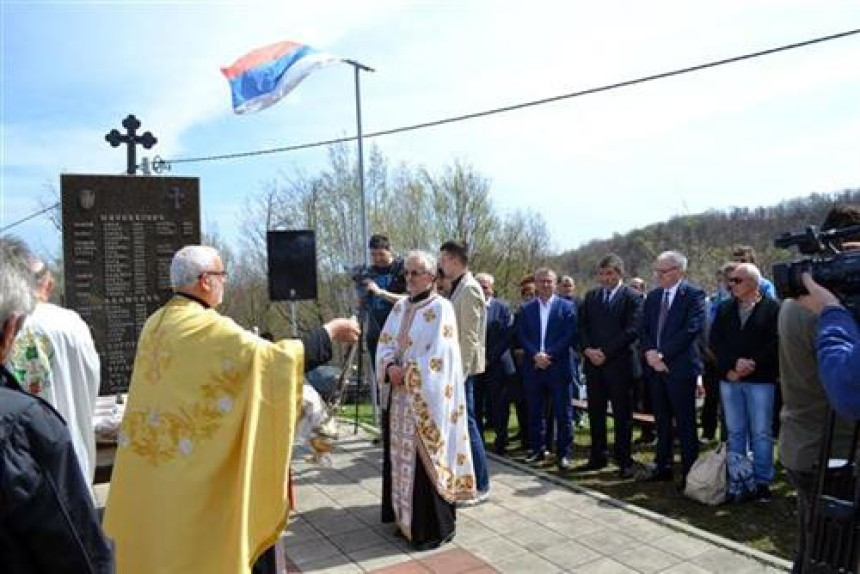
458	249
841	216
612	261
745	251
527	280
379	241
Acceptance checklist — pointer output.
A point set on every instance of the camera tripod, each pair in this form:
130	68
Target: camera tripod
833	527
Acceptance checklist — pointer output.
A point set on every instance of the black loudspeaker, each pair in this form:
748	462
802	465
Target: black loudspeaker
292	265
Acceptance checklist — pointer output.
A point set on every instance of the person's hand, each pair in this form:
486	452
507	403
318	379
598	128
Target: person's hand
395	374
652	357
661	366
372	287
733	376
542	360
744	367
343	330
596	356
818	297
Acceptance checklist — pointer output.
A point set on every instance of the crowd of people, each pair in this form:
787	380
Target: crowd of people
212	408
768	369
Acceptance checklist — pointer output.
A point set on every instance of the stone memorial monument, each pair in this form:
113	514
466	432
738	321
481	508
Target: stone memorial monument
119	236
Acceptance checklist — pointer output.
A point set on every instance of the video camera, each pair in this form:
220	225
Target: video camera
837	270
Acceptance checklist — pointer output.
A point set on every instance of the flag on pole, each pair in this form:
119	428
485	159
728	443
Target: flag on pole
262	77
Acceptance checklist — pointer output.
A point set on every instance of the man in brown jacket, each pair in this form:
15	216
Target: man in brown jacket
471	311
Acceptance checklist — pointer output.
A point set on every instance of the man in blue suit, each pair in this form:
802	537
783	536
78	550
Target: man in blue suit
547	331
673	319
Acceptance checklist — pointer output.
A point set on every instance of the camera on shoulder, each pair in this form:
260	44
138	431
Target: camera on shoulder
829	263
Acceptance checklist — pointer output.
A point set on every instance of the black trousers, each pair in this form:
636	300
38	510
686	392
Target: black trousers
644	406
266	563
618	391
433	519
674	399
711	412
804	483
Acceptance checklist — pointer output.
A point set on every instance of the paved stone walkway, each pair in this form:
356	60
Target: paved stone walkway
530	524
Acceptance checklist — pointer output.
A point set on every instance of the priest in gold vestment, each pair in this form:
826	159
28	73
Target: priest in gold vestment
204	447
425	432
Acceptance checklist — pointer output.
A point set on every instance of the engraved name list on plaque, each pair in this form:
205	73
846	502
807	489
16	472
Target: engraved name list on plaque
119	236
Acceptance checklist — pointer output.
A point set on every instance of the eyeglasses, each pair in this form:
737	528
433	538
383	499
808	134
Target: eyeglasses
665	271
736	280
413	273
216	273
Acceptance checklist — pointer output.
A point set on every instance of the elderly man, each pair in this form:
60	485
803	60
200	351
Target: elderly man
471	312
422	386
744	340
547	331
673	318
55	358
493	383
47	519
207	435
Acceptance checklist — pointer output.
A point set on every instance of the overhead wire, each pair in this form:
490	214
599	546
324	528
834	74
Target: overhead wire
492	111
522	105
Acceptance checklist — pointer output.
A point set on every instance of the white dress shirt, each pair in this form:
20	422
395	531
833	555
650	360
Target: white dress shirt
544	318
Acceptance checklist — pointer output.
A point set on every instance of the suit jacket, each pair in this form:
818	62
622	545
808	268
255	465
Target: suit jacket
471	311
756	340
559	338
613	329
498	340
679	342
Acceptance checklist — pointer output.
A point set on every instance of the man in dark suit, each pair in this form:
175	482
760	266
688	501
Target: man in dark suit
491	391
672	322
608	323
547	330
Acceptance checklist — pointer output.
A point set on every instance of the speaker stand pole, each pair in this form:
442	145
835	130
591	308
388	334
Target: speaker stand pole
293	319
358	68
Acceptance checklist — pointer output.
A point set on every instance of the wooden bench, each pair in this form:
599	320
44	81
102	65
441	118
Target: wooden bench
641	417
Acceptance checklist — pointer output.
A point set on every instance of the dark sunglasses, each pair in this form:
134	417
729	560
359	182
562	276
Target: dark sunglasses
735	280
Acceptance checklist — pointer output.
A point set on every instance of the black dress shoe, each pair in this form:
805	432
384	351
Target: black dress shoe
658	475
534	458
564	463
591	465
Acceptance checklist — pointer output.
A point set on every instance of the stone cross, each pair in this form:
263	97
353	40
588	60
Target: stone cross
131	139
176	195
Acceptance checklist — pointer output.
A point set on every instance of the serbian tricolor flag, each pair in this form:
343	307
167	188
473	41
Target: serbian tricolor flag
264	76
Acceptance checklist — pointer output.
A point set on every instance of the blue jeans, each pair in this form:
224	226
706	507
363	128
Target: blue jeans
476	440
749	417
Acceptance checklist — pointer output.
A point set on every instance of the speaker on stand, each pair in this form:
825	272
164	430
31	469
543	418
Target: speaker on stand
292	259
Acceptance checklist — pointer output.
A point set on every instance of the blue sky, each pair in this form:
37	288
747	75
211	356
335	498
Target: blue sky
749	134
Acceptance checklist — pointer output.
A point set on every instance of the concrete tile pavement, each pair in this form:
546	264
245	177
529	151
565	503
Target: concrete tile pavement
532	523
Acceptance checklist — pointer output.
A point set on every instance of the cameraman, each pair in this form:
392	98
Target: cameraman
838	348
805	405
385	282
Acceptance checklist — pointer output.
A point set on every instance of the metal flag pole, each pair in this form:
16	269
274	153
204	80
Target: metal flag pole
358	68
